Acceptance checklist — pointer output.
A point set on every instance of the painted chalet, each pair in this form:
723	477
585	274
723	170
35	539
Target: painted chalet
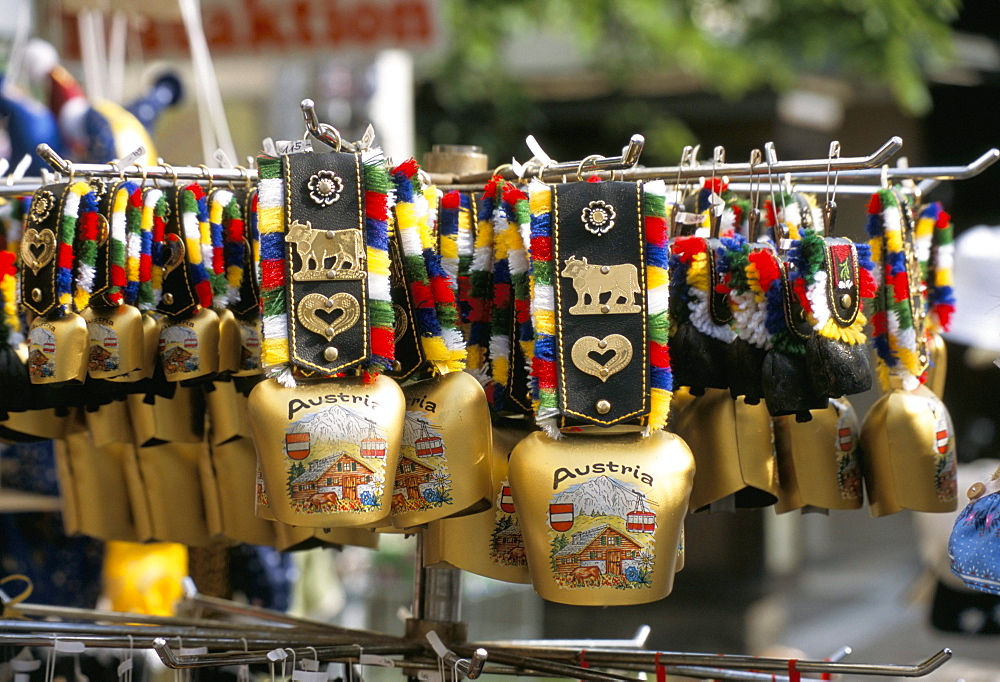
510	539
177	360
410	475
603	546
339	474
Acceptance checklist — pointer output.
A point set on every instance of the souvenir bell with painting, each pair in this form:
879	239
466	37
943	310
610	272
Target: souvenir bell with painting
444	463
602	491
114	323
326	423
189	337
57	338
818	461
490	543
907	438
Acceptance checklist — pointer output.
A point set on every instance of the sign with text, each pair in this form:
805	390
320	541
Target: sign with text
241	27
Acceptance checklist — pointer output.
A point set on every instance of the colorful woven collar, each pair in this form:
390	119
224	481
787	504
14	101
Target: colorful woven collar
10	323
935	245
275	353
80	223
480	292
152	232
198	242
228	247
118	226
544	359
442	345
691	271
899	338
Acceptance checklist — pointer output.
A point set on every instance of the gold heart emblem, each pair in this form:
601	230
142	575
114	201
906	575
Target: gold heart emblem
37	248
311	305
174	255
587	346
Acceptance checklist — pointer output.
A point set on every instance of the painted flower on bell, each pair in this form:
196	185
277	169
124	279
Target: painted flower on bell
598	217
325	187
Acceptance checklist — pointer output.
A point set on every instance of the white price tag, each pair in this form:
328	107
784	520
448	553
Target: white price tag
222	159
310	664
129	159
286	147
269	148
69	647
277	655
124	666
435	640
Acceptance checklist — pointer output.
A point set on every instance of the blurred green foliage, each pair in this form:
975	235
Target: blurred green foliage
728	47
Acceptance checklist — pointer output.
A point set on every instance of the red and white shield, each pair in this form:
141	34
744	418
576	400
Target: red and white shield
297	445
942	441
507	501
561	517
845	438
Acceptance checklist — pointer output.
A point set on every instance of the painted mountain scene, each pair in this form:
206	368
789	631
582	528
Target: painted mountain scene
601	534
335	462
422	478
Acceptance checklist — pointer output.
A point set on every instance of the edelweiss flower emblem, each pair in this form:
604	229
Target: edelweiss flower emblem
325	187
598	217
41	204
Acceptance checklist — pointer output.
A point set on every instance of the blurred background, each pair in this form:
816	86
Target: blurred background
582	76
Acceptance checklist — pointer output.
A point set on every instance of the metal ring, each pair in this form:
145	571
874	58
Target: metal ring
207	173
499	169
121	174
246	177
170	170
583	162
326	130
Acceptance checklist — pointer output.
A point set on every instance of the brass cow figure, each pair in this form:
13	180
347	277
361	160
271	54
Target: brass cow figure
317	247
592	281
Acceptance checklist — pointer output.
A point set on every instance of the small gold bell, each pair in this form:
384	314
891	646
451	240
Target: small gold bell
190	348
909	459
116	342
734	447
937	372
230	346
57	349
818	460
249	364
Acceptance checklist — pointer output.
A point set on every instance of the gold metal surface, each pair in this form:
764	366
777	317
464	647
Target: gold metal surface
344	311
327	254
172	481
937	372
180	419
488	543
732	443
328	449
444	464
190	348
588	349
109	424
228	416
818	460
37	248
230	344
909	457
591	281
602	517
57	349
116	341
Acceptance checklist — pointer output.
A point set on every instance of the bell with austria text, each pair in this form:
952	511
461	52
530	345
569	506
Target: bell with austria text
328	450
57	349
602	529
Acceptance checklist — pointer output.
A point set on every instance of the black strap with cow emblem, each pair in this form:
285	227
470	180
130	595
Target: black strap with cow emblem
40	249
600	306
179	298
327	279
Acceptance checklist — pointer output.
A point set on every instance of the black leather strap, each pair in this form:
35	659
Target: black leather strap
102	267
40	249
795	315
248	307
599	257
179	299
327	261
409	354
